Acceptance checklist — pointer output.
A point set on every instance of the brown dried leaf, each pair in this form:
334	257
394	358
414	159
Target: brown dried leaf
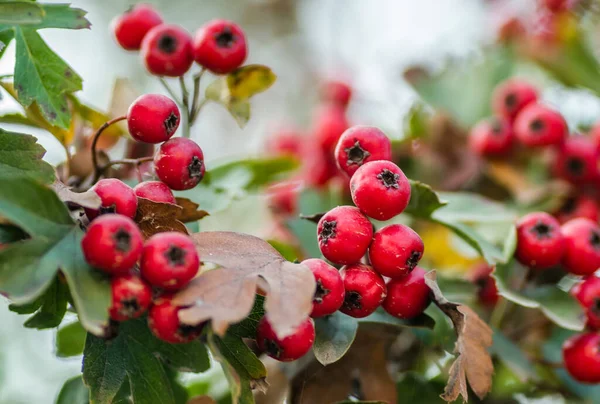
474	363
190	212
201	400
226	295
87	199
154	217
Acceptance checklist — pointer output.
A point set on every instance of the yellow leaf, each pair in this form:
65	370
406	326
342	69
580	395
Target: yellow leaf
249	80
443	251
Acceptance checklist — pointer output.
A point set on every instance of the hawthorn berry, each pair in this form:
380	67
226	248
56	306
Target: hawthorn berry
588	294
220	46
318	167
540	243
380	189
131	297
581	355
286	349
487	291
116	197
594	135
580	206
537	125
112	243
407	297
555	5
336	92
163	321
329	124
167	51
576	160
286	142
344	235
131	27
512	29
511	96
155	191
364	288
179	163
329	295
153	118
582	246
283	197
359	145
395	251
492	137
169	260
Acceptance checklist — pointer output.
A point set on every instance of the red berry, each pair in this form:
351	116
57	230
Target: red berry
163	321
179	163
511	96
364	290
169	260
116	197
511	30
537	125
336	92
286	349
555	5
131	297
330	124
581	354
407	297
344	235
380	189
283	197
588	294
396	250
594	135
540	243
492	137
359	145
130	28
112	243
153	118
156	191
287	142
487	291
329	295
582	246
319	167
581	206
167	51
576	160
220	46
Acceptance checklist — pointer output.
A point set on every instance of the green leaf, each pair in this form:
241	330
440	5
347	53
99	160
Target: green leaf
27	268
288	251
5	37
73	392
54	307
43	77
70	340
423	200
15	13
416	122
37	16
27	308
10	234
468	207
21	156
513	357
136	356
414	388
247	327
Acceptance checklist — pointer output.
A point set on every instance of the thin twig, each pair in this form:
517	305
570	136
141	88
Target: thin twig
199	108
97	171
169	90
196	95
185	96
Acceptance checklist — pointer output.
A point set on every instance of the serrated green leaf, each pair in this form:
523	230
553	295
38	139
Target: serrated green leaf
62	16
21	156
53	309
73	392
70	340
247	327
27	308
17	118
16	13
41	76
423	200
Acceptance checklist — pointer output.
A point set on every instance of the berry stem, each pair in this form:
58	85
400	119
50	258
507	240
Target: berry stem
97	170
185	99
196	95
169	90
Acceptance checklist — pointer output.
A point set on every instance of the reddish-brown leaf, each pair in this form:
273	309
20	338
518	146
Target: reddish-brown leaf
190	212
154	217
225	295
87	199
474	363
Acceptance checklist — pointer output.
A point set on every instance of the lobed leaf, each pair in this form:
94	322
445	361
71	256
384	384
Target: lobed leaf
21	156
155	217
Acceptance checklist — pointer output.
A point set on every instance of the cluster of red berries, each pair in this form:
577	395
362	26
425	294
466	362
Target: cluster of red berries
168	50
113	242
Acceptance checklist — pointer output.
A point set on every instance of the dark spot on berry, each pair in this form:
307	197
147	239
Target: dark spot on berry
170	123
167	43
328	231
107	209
352	300
496	127
195	168
225	38
175	255
569	205
356	154
122	240
542	230
130	307
481	283
320	293
595	240
575	166
413	260
510	101
272	348
595	307
389	179
184	331
536	125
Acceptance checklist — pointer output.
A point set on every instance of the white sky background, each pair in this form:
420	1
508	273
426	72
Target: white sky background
370	41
